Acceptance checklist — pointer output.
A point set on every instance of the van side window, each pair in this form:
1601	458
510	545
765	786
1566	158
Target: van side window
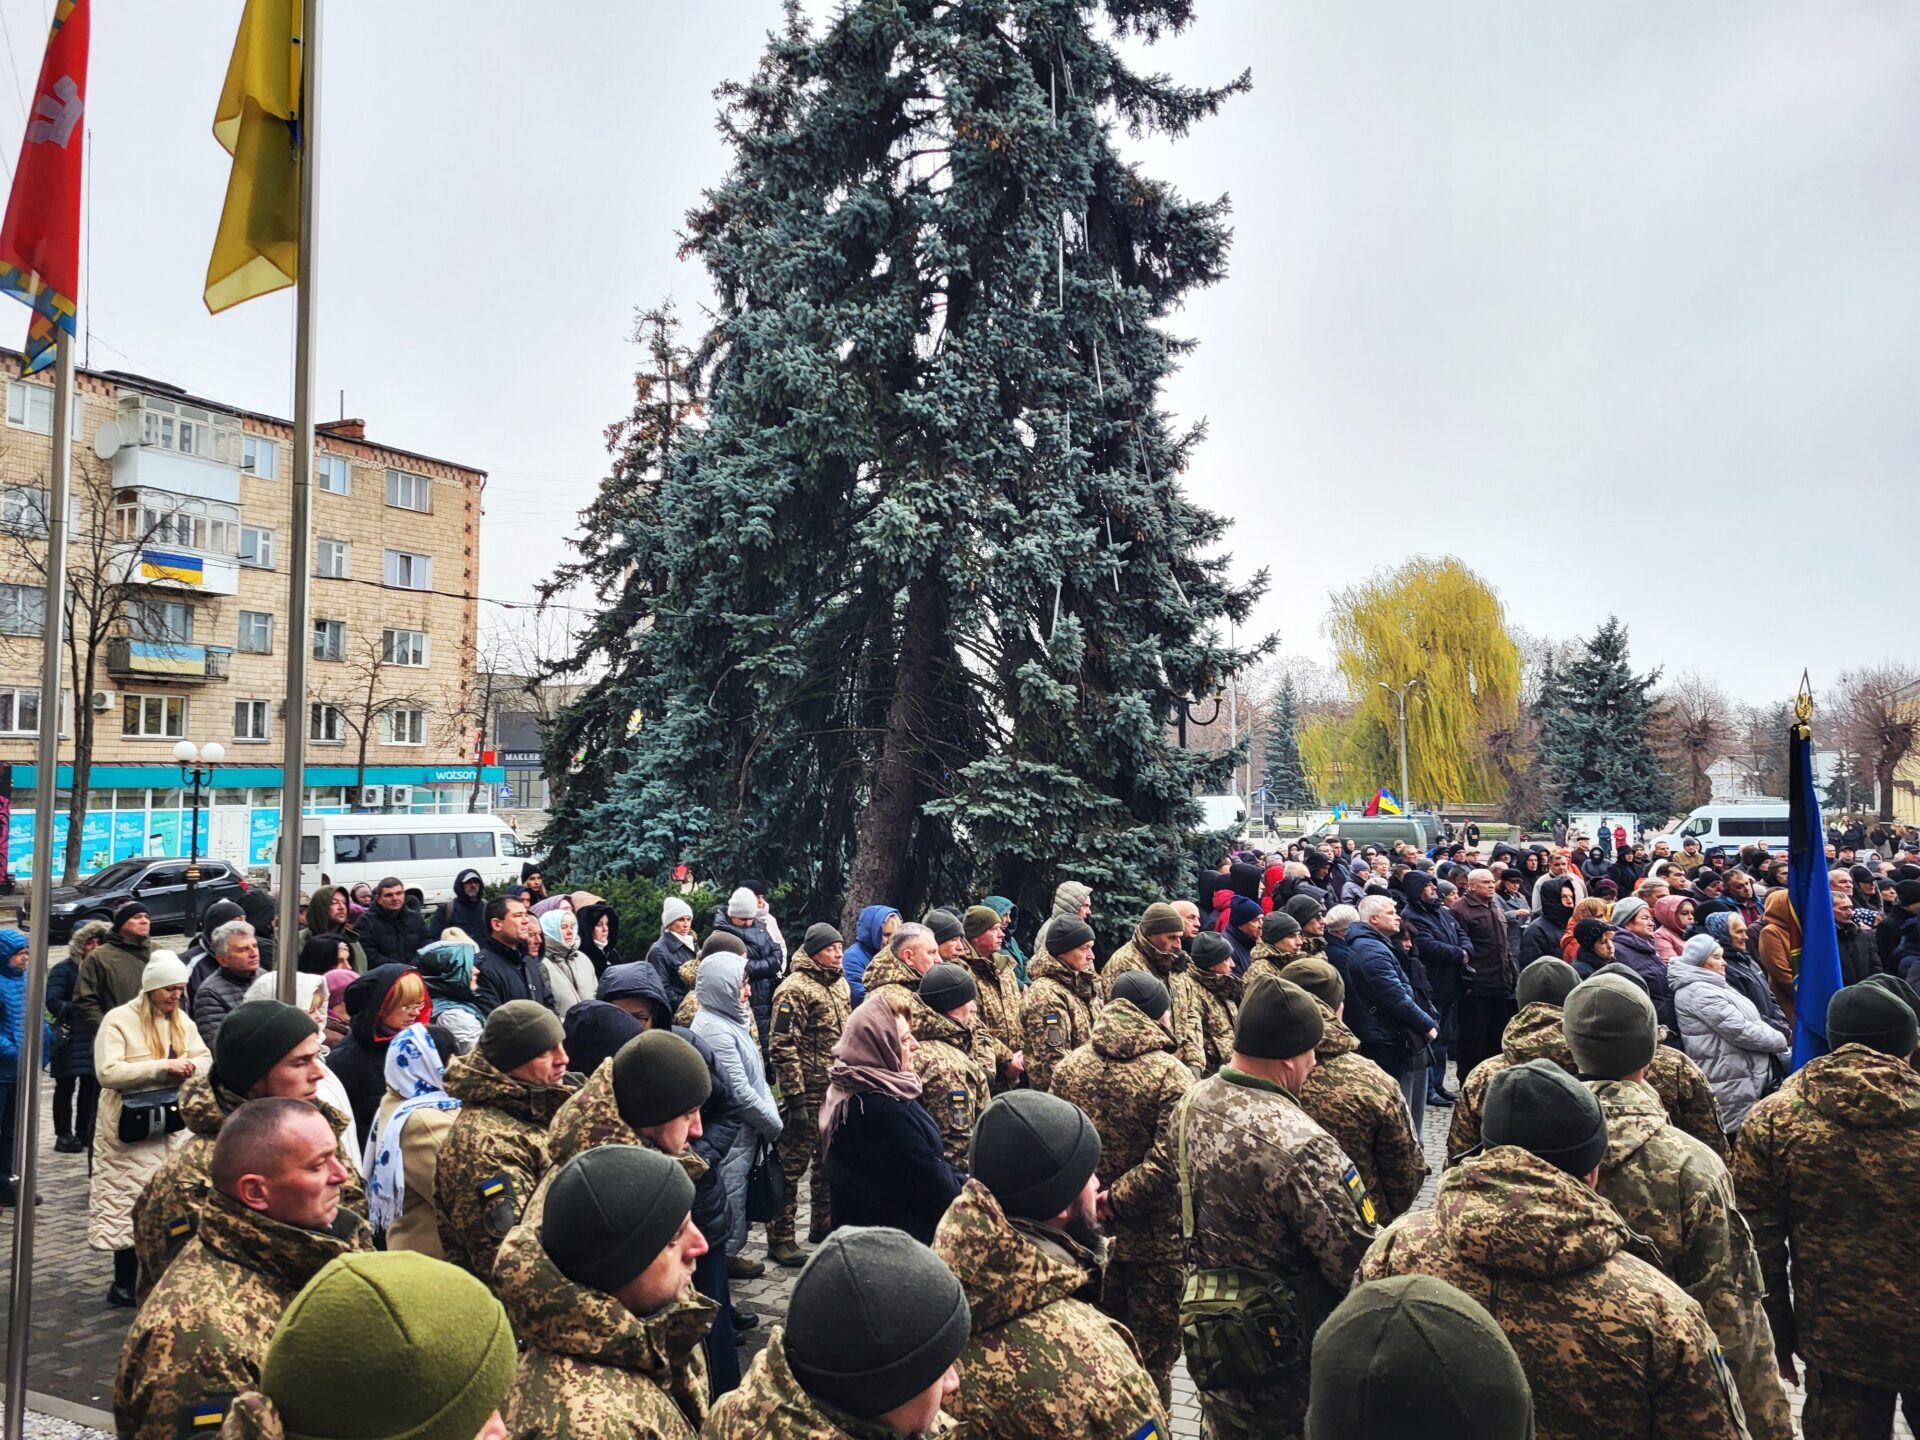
384	849
346	850
309	849
476	844
439	845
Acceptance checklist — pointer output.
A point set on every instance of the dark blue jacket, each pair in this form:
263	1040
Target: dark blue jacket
866	944
469	915
1636	952
665	958
885	1167
1381	1009
1340	952
1438	940
508	975
75	1055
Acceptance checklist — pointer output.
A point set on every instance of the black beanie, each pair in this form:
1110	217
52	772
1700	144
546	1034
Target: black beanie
1412	1355
947	987
1871	1016
610	1211
875	1319
945	926
1547	980
1034	1151
1906	892
1587	932
130	908
820	936
1210	948
1068	932
1144	992
657	1076
255	1037
519	1031
1277	926
1278	1020
1304	908
1542	1109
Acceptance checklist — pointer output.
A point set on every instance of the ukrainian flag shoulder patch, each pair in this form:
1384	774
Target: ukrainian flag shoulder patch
1357	1188
204	1417
180	1227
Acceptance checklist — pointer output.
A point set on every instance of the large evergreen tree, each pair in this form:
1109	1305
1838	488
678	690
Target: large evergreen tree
928	585
1283	776
1597	730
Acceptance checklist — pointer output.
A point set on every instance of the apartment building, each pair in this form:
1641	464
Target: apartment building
181	520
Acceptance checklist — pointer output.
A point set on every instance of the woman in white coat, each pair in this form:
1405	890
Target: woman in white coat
722	1021
1721	1030
145	1045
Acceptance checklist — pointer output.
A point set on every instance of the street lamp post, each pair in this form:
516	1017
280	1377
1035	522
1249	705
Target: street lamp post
197	764
1400	696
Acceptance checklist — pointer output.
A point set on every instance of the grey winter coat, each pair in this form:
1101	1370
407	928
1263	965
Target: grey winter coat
721	1021
1724	1035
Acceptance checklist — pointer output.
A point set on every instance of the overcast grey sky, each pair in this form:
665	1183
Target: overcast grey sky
1620	303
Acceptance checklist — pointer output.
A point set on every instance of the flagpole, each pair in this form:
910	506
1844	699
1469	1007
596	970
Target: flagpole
293	787
27	1091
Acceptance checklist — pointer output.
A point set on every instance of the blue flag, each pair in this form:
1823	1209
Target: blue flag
1818	973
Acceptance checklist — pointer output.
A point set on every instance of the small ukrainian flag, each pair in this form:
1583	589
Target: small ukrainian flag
1389	802
207	1415
166	565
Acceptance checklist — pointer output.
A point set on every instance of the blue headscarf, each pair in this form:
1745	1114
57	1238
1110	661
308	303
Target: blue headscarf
1720	926
414	1072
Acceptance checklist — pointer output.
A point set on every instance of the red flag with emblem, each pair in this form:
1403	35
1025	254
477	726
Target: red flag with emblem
40	241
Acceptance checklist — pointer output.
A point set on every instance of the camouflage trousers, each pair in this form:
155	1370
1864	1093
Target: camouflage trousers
1841	1409
799	1149
1145	1298
1275	1411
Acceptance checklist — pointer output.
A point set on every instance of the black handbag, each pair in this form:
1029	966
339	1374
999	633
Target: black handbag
148	1114
766	1185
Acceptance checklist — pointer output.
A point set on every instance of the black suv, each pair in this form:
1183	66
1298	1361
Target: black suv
158	884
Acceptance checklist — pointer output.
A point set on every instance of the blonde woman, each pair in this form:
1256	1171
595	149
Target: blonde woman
145	1047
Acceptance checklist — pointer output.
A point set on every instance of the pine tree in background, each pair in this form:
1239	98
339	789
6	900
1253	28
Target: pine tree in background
1597	723
1283	776
926	585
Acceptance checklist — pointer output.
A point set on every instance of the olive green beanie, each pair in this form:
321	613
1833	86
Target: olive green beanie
1610	1026
519	1031
428	1350
1278	1020
1548	981
1319	979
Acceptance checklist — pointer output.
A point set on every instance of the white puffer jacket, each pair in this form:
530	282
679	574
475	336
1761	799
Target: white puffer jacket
122	1061
1724	1035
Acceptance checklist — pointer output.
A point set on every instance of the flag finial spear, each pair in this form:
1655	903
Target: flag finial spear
1803	702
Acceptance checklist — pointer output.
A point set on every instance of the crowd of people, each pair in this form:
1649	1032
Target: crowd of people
500	1179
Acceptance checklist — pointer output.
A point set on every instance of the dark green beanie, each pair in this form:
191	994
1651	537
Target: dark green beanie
947	987
256	1036
1278	926
1412	1355
945	926
610	1211
1304	908
519	1031
1278	1020
978	920
1899	989
1210	948
1067	932
389	1346
1868	1015
1160	918
819	936
1318	979
658	1076
1544	1110
875	1319
1610	1026
1547	980
1144	992
1034	1151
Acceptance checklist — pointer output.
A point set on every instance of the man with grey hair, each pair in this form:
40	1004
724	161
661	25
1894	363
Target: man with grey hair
904	959
236	951
1340	917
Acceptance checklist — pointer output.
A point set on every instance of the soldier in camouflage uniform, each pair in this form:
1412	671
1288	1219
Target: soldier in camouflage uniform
810	1008
1060	1006
601	1296
1615	1348
1672	1189
1685	1093
1043	1363
902	960
1533	1034
274	1221
265	1049
510	1087
1216	992
955	1059
1155	948
1279	947
999	986
1128	1082
1311	916
1270	1190
1355	1102
1828	1172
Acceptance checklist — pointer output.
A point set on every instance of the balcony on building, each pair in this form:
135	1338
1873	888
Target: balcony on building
176	480
165	660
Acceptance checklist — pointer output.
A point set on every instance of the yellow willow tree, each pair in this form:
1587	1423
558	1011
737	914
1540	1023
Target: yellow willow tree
1437	622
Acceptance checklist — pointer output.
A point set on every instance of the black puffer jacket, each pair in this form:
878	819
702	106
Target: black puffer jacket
764	962
391	936
466	912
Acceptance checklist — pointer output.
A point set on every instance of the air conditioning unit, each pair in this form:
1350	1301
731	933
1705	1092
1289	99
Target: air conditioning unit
372	797
399	797
100	700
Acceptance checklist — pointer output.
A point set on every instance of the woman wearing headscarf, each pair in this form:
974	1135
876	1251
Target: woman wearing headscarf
722	1020
447	967
885	1165
403	1144
1003	907
1672	918
1743	972
380	1004
569	973
1778	947
1722	1032
1543	933
1594	907
600	935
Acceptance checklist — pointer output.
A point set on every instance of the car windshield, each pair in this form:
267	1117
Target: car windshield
114	877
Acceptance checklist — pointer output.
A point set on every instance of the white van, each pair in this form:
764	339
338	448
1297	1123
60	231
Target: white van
1763	821
424	851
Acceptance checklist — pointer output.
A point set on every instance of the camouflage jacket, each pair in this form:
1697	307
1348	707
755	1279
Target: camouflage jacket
202	1334
1057	1015
492	1158
1000	999
1175	972
1312	947
1360	1107
770	1404
1267	963
955	1066
1533	1034
887	968
592	1117
1128	1083
1828	1170
1630	1354
810	1009
1672	1189
168	1210
1687	1097
1038	1353
1217	997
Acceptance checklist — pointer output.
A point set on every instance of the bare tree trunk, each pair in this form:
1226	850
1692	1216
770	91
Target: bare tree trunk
83	723
1883	782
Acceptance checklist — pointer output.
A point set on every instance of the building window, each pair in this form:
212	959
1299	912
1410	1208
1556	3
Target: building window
329	639
406	491
250	718
23	512
256	632
403	727
160	622
30	407
330	559
326	724
409	572
332	474
260	457
403	647
20	710
153	717
256	547
152	518
23	609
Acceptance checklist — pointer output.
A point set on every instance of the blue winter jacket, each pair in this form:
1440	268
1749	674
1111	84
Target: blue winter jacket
13	1008
866	944
1381	1009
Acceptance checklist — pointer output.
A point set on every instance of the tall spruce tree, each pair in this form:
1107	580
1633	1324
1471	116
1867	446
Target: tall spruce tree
1597	719
1283	776
929	585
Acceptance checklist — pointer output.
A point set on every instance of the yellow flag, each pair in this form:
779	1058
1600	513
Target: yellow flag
258	245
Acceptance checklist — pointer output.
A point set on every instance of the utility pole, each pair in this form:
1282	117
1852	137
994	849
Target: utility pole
1400	698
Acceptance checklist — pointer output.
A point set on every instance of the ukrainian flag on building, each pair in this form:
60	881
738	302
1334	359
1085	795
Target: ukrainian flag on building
165	565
